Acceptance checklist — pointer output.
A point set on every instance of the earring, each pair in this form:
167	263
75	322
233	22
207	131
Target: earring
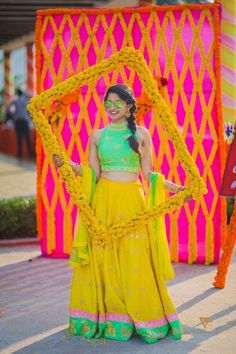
127	114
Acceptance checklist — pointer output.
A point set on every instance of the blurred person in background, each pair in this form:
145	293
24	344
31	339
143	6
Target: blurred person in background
21	119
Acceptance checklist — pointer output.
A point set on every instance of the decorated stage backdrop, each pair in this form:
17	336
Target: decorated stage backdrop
228	45
181	45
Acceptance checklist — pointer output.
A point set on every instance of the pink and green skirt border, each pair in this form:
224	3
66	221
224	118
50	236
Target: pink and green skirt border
122	327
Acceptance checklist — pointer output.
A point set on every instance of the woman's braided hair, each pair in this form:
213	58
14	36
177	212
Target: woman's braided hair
125	94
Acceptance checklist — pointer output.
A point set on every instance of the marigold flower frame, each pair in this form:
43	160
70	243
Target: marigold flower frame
135	61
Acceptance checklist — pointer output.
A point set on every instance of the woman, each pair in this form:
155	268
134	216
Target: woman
120	290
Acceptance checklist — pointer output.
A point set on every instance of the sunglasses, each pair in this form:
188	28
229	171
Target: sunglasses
117	104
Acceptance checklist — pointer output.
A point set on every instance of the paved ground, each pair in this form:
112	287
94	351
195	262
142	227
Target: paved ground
17	177
34	301
35	293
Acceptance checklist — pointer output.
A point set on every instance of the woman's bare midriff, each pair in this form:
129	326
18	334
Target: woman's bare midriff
120	176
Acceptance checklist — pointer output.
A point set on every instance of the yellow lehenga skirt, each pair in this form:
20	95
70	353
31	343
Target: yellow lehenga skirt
118	293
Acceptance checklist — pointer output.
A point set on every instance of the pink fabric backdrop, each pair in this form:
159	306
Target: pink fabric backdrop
161	56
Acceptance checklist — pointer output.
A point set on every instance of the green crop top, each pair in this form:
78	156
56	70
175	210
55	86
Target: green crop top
114	151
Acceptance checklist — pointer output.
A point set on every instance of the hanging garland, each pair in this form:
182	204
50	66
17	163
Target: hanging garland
226	256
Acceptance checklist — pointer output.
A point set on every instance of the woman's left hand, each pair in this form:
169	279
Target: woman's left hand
176	188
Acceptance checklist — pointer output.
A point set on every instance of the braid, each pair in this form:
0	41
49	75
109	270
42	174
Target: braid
133	142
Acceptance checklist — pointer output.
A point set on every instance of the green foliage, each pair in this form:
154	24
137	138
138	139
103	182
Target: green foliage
2	117
230	206
17	218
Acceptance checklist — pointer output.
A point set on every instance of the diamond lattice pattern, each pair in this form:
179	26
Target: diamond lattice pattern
178	45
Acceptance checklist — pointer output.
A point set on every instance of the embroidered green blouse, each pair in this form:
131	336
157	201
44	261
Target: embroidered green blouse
114	151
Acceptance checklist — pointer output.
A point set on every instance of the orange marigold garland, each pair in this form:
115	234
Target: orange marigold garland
227	253
135	60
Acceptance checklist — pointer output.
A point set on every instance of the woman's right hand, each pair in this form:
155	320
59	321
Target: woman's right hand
58	160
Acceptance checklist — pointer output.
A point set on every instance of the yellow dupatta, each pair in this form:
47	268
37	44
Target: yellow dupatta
79	253
159	243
